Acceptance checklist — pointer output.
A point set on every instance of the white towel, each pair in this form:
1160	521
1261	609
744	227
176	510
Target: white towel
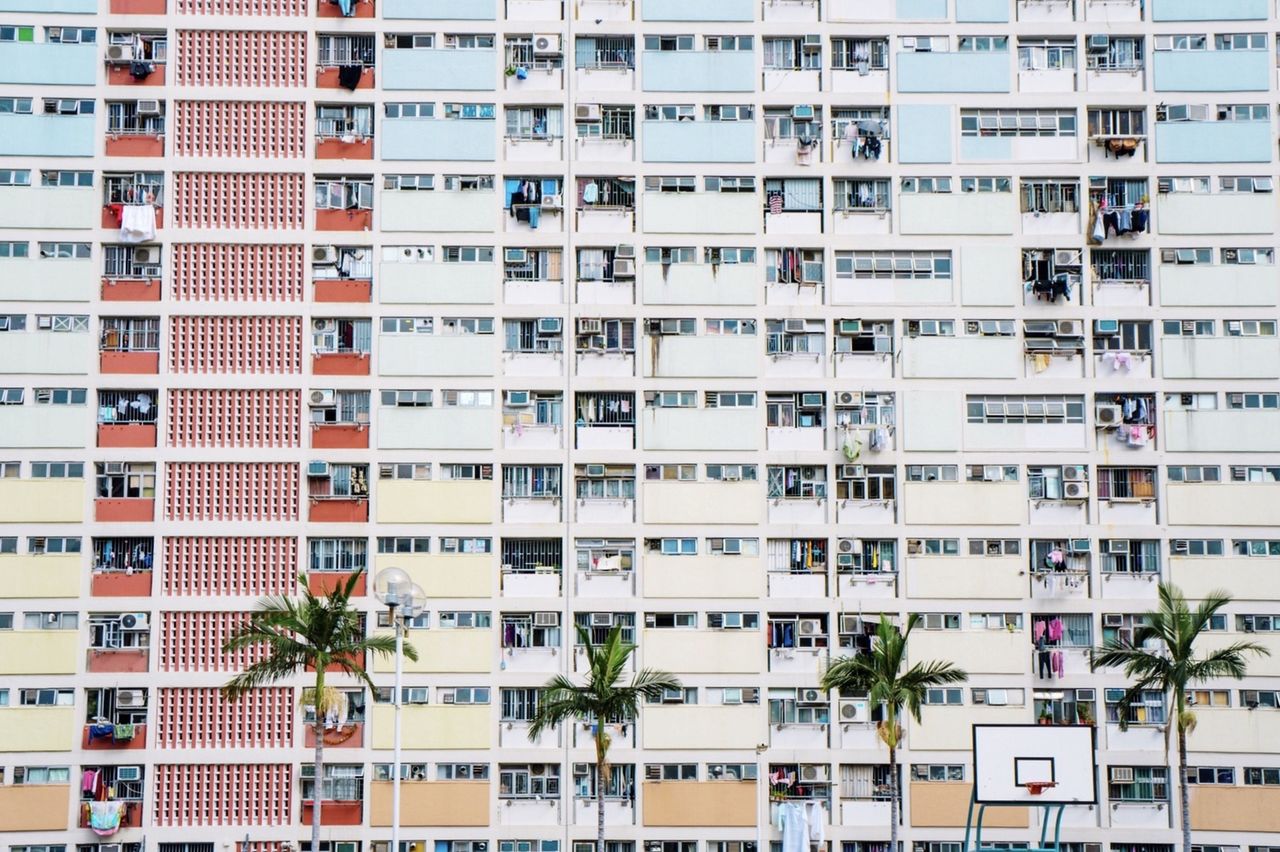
138	223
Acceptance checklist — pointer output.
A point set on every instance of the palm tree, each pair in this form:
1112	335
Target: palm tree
600	699
879	673
308	632
1160	657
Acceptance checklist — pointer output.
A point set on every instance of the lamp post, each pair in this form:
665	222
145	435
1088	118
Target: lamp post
403	599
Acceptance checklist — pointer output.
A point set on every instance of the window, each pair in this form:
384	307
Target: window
998	697
1196	547
1046	54
1255	474
679	472
1240	41
67	106
1193	473
1182	42
792	53
932	473
671	620
605	555
862	55
986	184
1129	556
926	185
64	470
1025	409
344	193
46	697
1211	775
899	265
11	248
1244	112
731	472
735	621
50	620
789	706
1248	256
937	772
619	785
1018	122
534	122
528	781
11	33
338	554
41	775
793	195
605	482
670	112
1255	547
1262	775
15	106
60	396
463	695
519	704
797	482
939	621
1138	783
469	472
862	194
1147	707
40	545
408	41
991	473
341	782
341	50
15	177
982	44
673	546
602	51
532	555
943	697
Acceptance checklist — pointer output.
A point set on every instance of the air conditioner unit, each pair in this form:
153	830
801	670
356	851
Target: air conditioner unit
804	112
589	326
119	54
1066	257
549	325
552	202
733	546
673	696
148	107
1181	546
146	255
587	112
811	696
852	471
128	773
317	469
601	619
323	326
515	255
595	471
810	400
135	621
850	624
623	268
809	627
624	251
323	398
1112	619
547	44
324	255
1074	472
517	399
1099	42
813	772
794	326
130	698
851	326
849	398
812	41
1118	545
1106	326
854	711
1070	328
546	619
1122	775
1109	414
1075	490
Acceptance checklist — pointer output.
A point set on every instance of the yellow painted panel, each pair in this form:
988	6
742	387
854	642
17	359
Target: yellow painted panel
705	726
706	803
38	651
704	651
37	728
703	576
444	651
440	726
42	501
977	651
1253	809
37	807
444	575
47	576
432	803
703	502
406	501
974	578
946	805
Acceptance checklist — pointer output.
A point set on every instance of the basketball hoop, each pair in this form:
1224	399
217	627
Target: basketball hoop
1035	788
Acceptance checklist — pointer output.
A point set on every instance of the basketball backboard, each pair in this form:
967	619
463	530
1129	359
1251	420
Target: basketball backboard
1035	764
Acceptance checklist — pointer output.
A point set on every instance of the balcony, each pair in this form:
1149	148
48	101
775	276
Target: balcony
47	208
121	584
697	10
406	501
966	578
700	212
698	429
1220	357
46	575
444	575
1212	142
703	576
439	139
42	501
1229	504
710	356
436	428
698	141
47	135
441	10
109	737
431	803
43	426
48	64
439	210
703	804
332	812
437	355
333	9
340	436
704	651
438	726
926	72
701	502
29	729
440	69
340	510
964	503
350	363
1211	70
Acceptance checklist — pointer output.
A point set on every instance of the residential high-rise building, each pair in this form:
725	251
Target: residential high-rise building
735	323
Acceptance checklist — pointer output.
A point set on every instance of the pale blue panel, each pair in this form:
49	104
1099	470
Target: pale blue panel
698	141
698	71
924	133
921	10
49	64
1212	71
74	7
982	11
440	70
993	148
440	10
47	135
1214	142
1209	10
697	10
439	139
953	72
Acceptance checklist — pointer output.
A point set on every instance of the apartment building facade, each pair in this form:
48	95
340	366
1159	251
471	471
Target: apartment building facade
735	323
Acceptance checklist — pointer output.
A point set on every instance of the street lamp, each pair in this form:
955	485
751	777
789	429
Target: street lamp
403	599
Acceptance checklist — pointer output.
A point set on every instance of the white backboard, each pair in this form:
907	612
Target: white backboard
1007	756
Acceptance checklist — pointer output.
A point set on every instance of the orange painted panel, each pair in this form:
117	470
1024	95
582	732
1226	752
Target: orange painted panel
135	146
335	149
119	584
126	435
118	75
344	290
120	661
340	436
344	220
124	510
131	289
340	364
108	743
327	78
339	511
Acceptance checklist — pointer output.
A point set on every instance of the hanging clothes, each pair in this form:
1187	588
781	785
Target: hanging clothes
105	817
794	827
1055	630
590	193
817	828
349	77
775	203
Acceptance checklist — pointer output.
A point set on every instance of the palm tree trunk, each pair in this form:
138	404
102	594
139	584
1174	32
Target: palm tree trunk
600	780
317	794
893	799
1183	788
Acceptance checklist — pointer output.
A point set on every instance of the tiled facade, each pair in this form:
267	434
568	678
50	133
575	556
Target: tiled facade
734	322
